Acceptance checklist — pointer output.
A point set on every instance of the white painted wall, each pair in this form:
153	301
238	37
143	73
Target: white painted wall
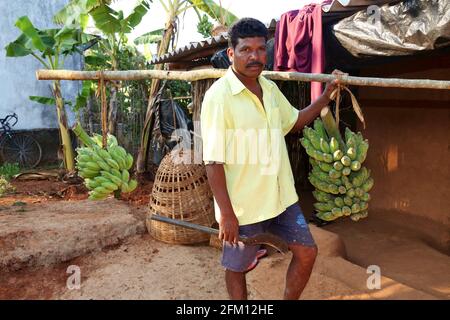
17	75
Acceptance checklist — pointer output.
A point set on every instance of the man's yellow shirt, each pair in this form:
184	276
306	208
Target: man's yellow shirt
248	138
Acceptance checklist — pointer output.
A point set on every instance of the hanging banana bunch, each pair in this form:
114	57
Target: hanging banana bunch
342	184
105	170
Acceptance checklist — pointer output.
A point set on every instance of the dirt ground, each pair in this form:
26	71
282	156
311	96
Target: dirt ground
139	267
38	191
142	268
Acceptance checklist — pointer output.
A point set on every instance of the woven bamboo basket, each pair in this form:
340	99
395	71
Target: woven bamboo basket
181	192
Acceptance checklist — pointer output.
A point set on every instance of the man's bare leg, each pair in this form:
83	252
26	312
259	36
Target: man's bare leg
236	285
299	270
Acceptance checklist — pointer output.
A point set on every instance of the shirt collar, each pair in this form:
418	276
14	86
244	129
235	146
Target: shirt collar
235	84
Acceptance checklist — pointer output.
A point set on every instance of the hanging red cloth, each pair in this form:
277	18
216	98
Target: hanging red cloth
298	43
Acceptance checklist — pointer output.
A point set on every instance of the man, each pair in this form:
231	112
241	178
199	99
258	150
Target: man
244	119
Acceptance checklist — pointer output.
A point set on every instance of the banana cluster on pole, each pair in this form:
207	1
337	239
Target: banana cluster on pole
342	184
105	171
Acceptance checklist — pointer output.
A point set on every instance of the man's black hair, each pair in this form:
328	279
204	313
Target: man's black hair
246	28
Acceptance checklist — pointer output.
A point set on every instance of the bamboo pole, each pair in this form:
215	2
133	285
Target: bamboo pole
196	75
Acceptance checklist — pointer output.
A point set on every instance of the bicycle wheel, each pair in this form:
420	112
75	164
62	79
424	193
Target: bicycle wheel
22	149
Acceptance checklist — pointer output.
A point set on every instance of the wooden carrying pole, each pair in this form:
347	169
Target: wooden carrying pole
217	73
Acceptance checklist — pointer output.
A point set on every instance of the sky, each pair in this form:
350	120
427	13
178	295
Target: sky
264	10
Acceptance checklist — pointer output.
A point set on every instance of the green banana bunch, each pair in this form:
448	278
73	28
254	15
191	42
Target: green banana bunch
341	183
105	171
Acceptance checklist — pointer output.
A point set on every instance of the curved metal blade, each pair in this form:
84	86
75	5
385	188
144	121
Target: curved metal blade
267	239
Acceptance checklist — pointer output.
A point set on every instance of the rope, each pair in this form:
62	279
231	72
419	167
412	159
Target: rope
336	95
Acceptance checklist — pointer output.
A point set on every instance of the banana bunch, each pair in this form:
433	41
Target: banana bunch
342	184
105	170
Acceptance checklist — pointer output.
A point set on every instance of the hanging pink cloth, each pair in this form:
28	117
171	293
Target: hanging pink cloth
298	43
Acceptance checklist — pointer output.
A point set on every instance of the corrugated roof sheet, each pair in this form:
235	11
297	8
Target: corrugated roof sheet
337	7
192	48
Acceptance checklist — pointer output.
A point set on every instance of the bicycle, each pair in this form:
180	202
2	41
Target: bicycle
18	147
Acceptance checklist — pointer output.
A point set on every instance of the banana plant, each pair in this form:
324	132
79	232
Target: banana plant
173	9
114	26
51	47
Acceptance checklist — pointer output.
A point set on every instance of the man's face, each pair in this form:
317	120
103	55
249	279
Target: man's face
249	56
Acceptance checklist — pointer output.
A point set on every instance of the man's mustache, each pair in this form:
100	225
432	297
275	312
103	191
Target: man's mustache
257	64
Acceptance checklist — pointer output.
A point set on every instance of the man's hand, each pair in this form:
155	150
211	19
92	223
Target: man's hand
331	85
308	114
229	228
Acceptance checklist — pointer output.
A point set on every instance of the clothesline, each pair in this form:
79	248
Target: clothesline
203	74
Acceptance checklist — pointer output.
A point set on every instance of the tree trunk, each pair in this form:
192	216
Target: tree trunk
63	128
141	161
112	112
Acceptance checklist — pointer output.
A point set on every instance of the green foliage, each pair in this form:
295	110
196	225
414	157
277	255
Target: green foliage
180	88
215	11
5	186
49	101
9	170
111	22
111	52
25	25
154	36
87	88
43	100
75	13
204	26
131	95
45	44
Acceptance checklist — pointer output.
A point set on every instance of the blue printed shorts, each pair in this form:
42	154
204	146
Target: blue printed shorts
290	225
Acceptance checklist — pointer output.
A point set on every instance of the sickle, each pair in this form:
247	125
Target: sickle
262	238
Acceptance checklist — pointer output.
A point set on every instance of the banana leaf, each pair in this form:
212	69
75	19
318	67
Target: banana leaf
86	90
215	11
25	25
138	13
110	21
76	12
97	61
154	36
47	100
43	100
106	19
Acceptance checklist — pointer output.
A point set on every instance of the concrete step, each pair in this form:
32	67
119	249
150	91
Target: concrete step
333	277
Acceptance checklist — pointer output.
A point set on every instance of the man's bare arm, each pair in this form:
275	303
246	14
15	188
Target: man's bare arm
228	224
307	115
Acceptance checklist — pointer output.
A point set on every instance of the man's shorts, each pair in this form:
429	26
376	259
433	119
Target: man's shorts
290	225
